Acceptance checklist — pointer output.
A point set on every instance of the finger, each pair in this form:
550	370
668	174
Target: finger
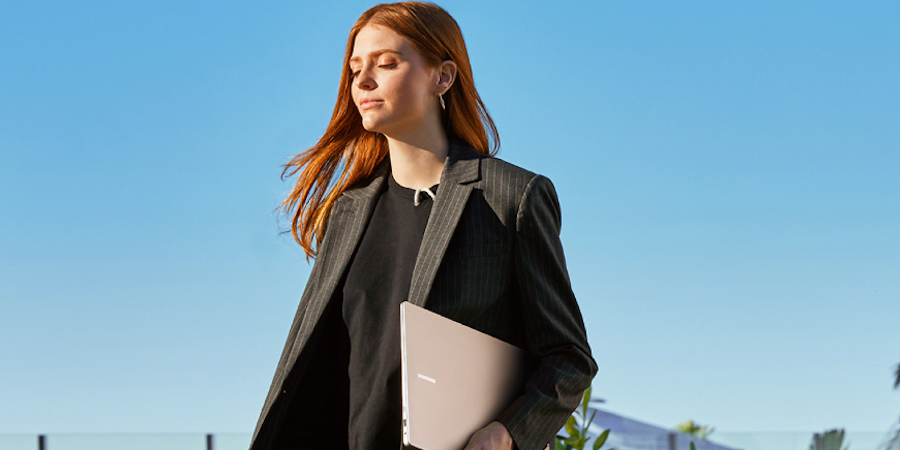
473	443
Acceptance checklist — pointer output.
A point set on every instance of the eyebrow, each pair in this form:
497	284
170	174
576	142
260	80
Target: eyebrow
376	53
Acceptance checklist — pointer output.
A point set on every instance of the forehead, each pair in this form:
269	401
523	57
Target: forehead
376	39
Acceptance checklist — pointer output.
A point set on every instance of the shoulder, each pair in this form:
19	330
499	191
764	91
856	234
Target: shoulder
526	199
509	181
503	172
507	188
490	172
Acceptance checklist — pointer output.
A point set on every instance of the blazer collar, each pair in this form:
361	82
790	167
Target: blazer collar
369	188
462	165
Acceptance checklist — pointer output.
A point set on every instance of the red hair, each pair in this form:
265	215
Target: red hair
350	151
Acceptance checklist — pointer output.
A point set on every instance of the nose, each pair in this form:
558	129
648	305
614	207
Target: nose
364	80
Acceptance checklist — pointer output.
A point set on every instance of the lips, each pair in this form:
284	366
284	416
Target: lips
369	103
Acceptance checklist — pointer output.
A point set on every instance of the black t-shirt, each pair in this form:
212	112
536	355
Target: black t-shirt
377	282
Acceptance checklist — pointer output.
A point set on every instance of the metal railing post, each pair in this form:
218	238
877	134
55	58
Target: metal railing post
42	442
209	441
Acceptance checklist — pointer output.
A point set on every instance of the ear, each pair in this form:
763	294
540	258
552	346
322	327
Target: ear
447	75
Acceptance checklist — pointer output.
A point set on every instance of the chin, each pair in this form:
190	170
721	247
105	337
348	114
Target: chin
374	126
371	128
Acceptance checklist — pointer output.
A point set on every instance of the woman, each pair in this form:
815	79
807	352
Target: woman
401	200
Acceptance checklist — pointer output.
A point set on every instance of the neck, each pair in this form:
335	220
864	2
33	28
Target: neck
418	160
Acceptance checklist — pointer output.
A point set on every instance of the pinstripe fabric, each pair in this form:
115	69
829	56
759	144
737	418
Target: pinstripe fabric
490	258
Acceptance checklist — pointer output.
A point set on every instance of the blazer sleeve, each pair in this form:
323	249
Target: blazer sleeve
554	329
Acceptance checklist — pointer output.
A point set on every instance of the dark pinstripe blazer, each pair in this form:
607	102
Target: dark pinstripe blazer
490	258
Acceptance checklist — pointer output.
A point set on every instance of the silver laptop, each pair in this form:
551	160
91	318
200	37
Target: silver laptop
456	379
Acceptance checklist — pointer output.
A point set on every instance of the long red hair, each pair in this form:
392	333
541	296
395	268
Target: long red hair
347	154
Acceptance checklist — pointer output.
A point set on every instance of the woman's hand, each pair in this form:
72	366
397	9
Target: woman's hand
494	436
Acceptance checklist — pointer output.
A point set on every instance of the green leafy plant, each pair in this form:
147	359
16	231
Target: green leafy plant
829	440
897	383
892	440
578	437
695	429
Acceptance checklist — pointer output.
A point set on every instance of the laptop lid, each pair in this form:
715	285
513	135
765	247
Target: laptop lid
455	379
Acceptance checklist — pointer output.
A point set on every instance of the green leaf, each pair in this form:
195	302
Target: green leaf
584	401
692	446
570	427
588	424
601	439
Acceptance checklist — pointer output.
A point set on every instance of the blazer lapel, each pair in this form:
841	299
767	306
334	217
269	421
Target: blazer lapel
346	226
461	168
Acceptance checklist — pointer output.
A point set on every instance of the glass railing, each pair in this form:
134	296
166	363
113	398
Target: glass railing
149	441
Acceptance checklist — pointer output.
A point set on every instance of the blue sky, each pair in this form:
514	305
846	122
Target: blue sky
727	173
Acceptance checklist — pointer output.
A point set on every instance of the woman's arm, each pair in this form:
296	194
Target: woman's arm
554	329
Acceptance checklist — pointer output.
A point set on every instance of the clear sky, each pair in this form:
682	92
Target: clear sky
728	174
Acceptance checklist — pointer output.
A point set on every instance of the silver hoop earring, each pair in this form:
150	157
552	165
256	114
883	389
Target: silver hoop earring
443	105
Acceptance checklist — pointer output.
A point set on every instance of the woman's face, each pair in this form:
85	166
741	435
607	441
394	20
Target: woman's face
392	86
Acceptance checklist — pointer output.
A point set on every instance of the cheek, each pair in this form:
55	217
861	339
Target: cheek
410	93
354	93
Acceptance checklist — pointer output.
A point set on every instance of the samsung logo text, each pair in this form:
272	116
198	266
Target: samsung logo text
427	378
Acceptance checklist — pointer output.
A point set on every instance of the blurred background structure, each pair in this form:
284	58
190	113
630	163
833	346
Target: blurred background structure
636	439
